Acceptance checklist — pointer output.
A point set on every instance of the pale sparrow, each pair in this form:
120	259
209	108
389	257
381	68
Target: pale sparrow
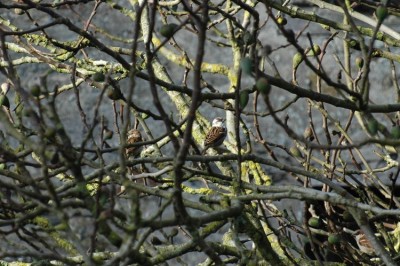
363	243
216	135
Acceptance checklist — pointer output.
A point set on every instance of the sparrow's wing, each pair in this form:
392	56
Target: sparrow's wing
134	139
215	137
365	242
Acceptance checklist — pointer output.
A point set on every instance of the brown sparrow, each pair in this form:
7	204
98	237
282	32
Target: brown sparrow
216	135
363	243
134	136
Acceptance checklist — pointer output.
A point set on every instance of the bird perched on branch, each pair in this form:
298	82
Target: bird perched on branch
363	243
134	136
216	135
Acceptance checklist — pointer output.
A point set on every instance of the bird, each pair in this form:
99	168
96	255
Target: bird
363	243
134	136
216	135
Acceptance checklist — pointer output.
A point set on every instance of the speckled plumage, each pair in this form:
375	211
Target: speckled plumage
216	135
134	136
